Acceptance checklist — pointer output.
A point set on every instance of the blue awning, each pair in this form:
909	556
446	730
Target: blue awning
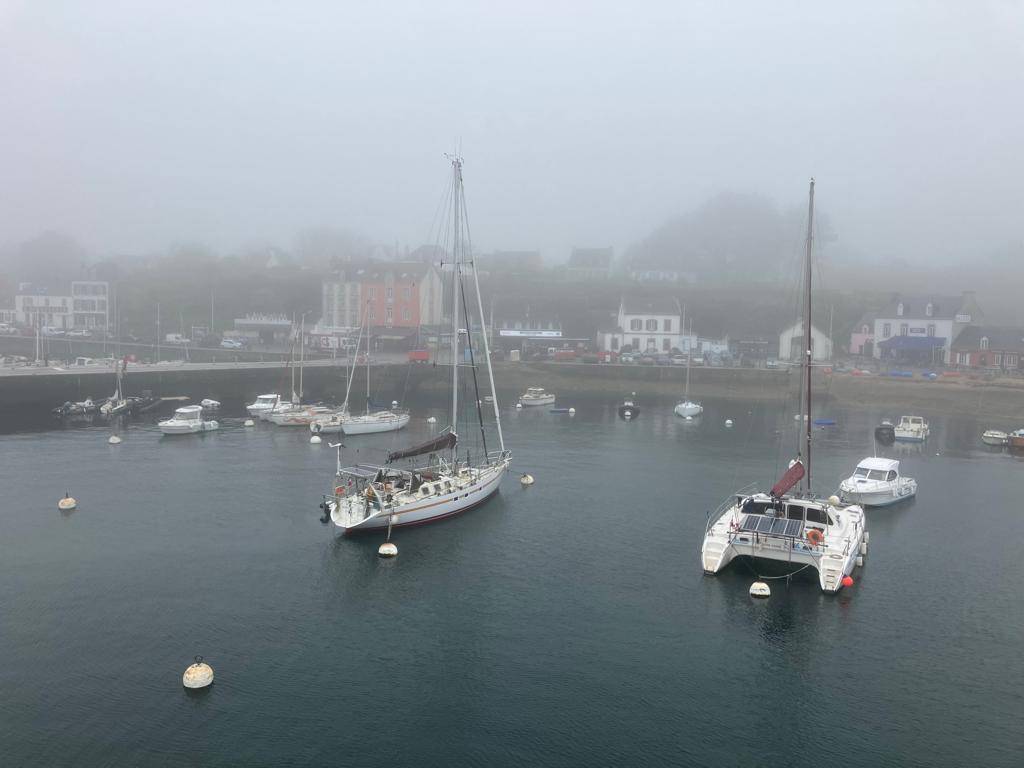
912	342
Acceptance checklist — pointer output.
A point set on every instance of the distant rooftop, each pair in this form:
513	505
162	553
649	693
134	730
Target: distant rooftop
591	258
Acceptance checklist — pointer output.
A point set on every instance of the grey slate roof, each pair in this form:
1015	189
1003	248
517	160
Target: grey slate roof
1000	339
943	307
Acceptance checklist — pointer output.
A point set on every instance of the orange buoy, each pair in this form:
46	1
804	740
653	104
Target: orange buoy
847	581
815	536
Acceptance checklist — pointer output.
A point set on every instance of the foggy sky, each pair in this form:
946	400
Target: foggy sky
135	125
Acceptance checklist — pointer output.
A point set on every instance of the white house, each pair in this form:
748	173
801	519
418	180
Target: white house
91	303
645	325
791	344
921	329
44	311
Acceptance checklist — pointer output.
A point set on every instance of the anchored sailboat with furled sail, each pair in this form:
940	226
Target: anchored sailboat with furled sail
794	531
451	479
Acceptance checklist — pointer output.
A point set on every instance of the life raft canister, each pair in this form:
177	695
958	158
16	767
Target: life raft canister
815	536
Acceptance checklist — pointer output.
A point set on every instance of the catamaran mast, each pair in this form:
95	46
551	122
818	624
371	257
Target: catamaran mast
807	333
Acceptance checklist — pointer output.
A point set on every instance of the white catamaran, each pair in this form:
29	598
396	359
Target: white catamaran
790	532
369	497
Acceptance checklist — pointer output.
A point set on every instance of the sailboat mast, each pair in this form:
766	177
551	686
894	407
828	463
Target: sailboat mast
689	354
302	352
456	213
807	331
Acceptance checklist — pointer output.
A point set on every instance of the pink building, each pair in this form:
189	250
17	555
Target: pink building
862	338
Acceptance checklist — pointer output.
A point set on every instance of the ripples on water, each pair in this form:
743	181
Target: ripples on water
564	624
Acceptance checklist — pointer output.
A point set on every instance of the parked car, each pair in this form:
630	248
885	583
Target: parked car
663	360
771	364
627	358
678	359
231	344
48	331
8	330
647	360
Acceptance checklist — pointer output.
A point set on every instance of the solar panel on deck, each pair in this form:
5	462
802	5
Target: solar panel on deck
793	527
749	522
764	525
779	526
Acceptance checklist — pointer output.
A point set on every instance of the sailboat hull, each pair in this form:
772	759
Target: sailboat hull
427	510
374	423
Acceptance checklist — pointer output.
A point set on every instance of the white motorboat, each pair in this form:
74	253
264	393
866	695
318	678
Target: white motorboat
877	483
381	497
536	396
912	429
187	421
263	404
788	532
209	405
687	407
995	437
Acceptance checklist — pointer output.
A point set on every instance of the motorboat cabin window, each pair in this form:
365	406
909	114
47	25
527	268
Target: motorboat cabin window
860	472
892	475
816	515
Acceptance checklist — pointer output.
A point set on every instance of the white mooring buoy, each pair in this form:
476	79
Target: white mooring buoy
315	440
728	422
431	420
526	480
114	440
860	561
519	406
198	675
572	411
834	500
250	423
387	549
760	589
394	403
689	418
67	503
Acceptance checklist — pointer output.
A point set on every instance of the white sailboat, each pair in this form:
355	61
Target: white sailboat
783	531
369	497
687	408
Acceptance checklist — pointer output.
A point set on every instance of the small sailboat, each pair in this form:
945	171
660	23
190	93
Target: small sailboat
367	497
912	429
687	407
536	396
995	437
788	531
187	421
877	482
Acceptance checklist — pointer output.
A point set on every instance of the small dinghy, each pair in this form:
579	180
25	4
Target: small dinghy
995	437
885	433
629	409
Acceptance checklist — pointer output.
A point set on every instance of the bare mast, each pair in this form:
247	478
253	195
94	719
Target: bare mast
456	191
807	333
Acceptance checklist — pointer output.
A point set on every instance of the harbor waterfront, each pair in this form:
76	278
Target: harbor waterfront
542	628
38	390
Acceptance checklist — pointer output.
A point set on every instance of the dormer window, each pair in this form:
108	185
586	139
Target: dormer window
899	309
984	342
928	309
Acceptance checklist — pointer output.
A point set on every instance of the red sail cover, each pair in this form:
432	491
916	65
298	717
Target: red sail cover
788	480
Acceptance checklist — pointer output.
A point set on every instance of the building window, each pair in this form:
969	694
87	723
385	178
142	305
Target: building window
406	315
665	345
389	316
864	330
904	329
963	358
928	309
886	331
390	292
963	317
636	344
407	293
1011	361
931	329
372	315
636	324
667	325
984	342
899	309
652	324
371	293
998	361
652	343
615	343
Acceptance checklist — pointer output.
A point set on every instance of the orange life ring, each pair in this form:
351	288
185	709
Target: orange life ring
339	490
815	536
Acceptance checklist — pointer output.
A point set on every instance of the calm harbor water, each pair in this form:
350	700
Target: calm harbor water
564	624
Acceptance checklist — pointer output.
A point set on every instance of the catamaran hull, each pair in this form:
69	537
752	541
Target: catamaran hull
373	427
432	508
